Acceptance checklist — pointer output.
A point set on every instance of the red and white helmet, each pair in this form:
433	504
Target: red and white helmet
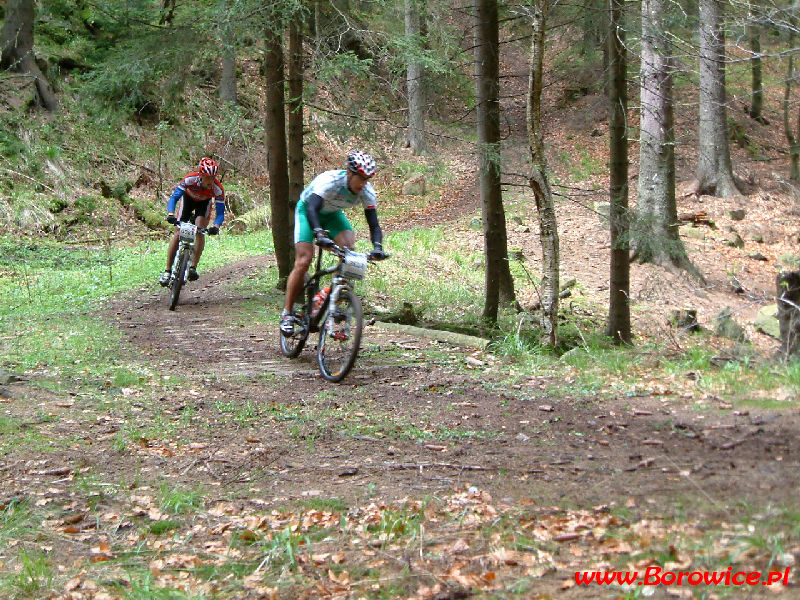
361	163
208	166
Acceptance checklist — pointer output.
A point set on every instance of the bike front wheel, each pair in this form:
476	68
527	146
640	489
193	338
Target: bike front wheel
340	336
177	282
292	345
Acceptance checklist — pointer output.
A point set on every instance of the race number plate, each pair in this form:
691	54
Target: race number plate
188	232
354	265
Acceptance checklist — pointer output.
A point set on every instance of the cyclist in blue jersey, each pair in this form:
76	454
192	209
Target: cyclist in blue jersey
320	209
192	198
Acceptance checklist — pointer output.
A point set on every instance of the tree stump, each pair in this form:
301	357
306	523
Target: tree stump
789	311
684	318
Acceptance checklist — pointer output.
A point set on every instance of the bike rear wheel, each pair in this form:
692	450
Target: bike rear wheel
177	282
340	336
292	345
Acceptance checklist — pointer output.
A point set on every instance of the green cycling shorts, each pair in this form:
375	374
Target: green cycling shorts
335	223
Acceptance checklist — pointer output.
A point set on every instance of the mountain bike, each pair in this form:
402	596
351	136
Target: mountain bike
340	318
183	259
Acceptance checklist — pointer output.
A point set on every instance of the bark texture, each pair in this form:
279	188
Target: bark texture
714	169
16	49
227	84
275	130
789	312
548	226
499	284
414	80
295	119
655	236
619	311
792	136
756	77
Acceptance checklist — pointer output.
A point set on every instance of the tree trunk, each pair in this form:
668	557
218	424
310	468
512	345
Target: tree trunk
227	83
499	284
275	130
414	79
714	169
792	137
753	29
295	112
167	12
317	26
592	21
788	284
16	49
619	310
655	233
548	229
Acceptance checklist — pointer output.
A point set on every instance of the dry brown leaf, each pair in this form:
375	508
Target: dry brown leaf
342	578
503	556
75	582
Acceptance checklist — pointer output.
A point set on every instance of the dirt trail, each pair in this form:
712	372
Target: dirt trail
427	421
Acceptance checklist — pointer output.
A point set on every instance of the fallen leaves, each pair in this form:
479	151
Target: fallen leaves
387	538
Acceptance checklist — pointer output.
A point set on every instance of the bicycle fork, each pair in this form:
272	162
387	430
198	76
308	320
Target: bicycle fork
337	286
176	263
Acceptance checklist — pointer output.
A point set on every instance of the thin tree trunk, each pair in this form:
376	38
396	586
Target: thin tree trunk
791	137
499	284
788	284
714	169
548	229
592	22
16	49
167	12
757	88
295	112
275	131
227	84
317	26
414	80
619	311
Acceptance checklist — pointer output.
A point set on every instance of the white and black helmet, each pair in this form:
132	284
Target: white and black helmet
361	163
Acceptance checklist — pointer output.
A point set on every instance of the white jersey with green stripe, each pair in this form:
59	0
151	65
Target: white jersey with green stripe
331	186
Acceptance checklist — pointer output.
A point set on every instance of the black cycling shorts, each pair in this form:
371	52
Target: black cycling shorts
190	209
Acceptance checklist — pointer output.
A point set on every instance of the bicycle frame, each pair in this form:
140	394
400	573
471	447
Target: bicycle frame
182	260
312	286
339	320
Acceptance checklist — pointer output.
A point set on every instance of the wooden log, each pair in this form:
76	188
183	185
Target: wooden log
788	294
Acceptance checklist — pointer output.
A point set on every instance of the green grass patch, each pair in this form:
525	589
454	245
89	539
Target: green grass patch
178	499
162	527
33	577
436	276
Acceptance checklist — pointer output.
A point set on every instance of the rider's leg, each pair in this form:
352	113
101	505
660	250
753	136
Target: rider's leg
304	253
172	249
346	238
200	241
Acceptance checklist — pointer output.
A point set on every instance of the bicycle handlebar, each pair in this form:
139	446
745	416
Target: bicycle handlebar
202	230
340	251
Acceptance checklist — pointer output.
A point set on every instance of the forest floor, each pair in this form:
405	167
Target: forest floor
431	433
586	483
